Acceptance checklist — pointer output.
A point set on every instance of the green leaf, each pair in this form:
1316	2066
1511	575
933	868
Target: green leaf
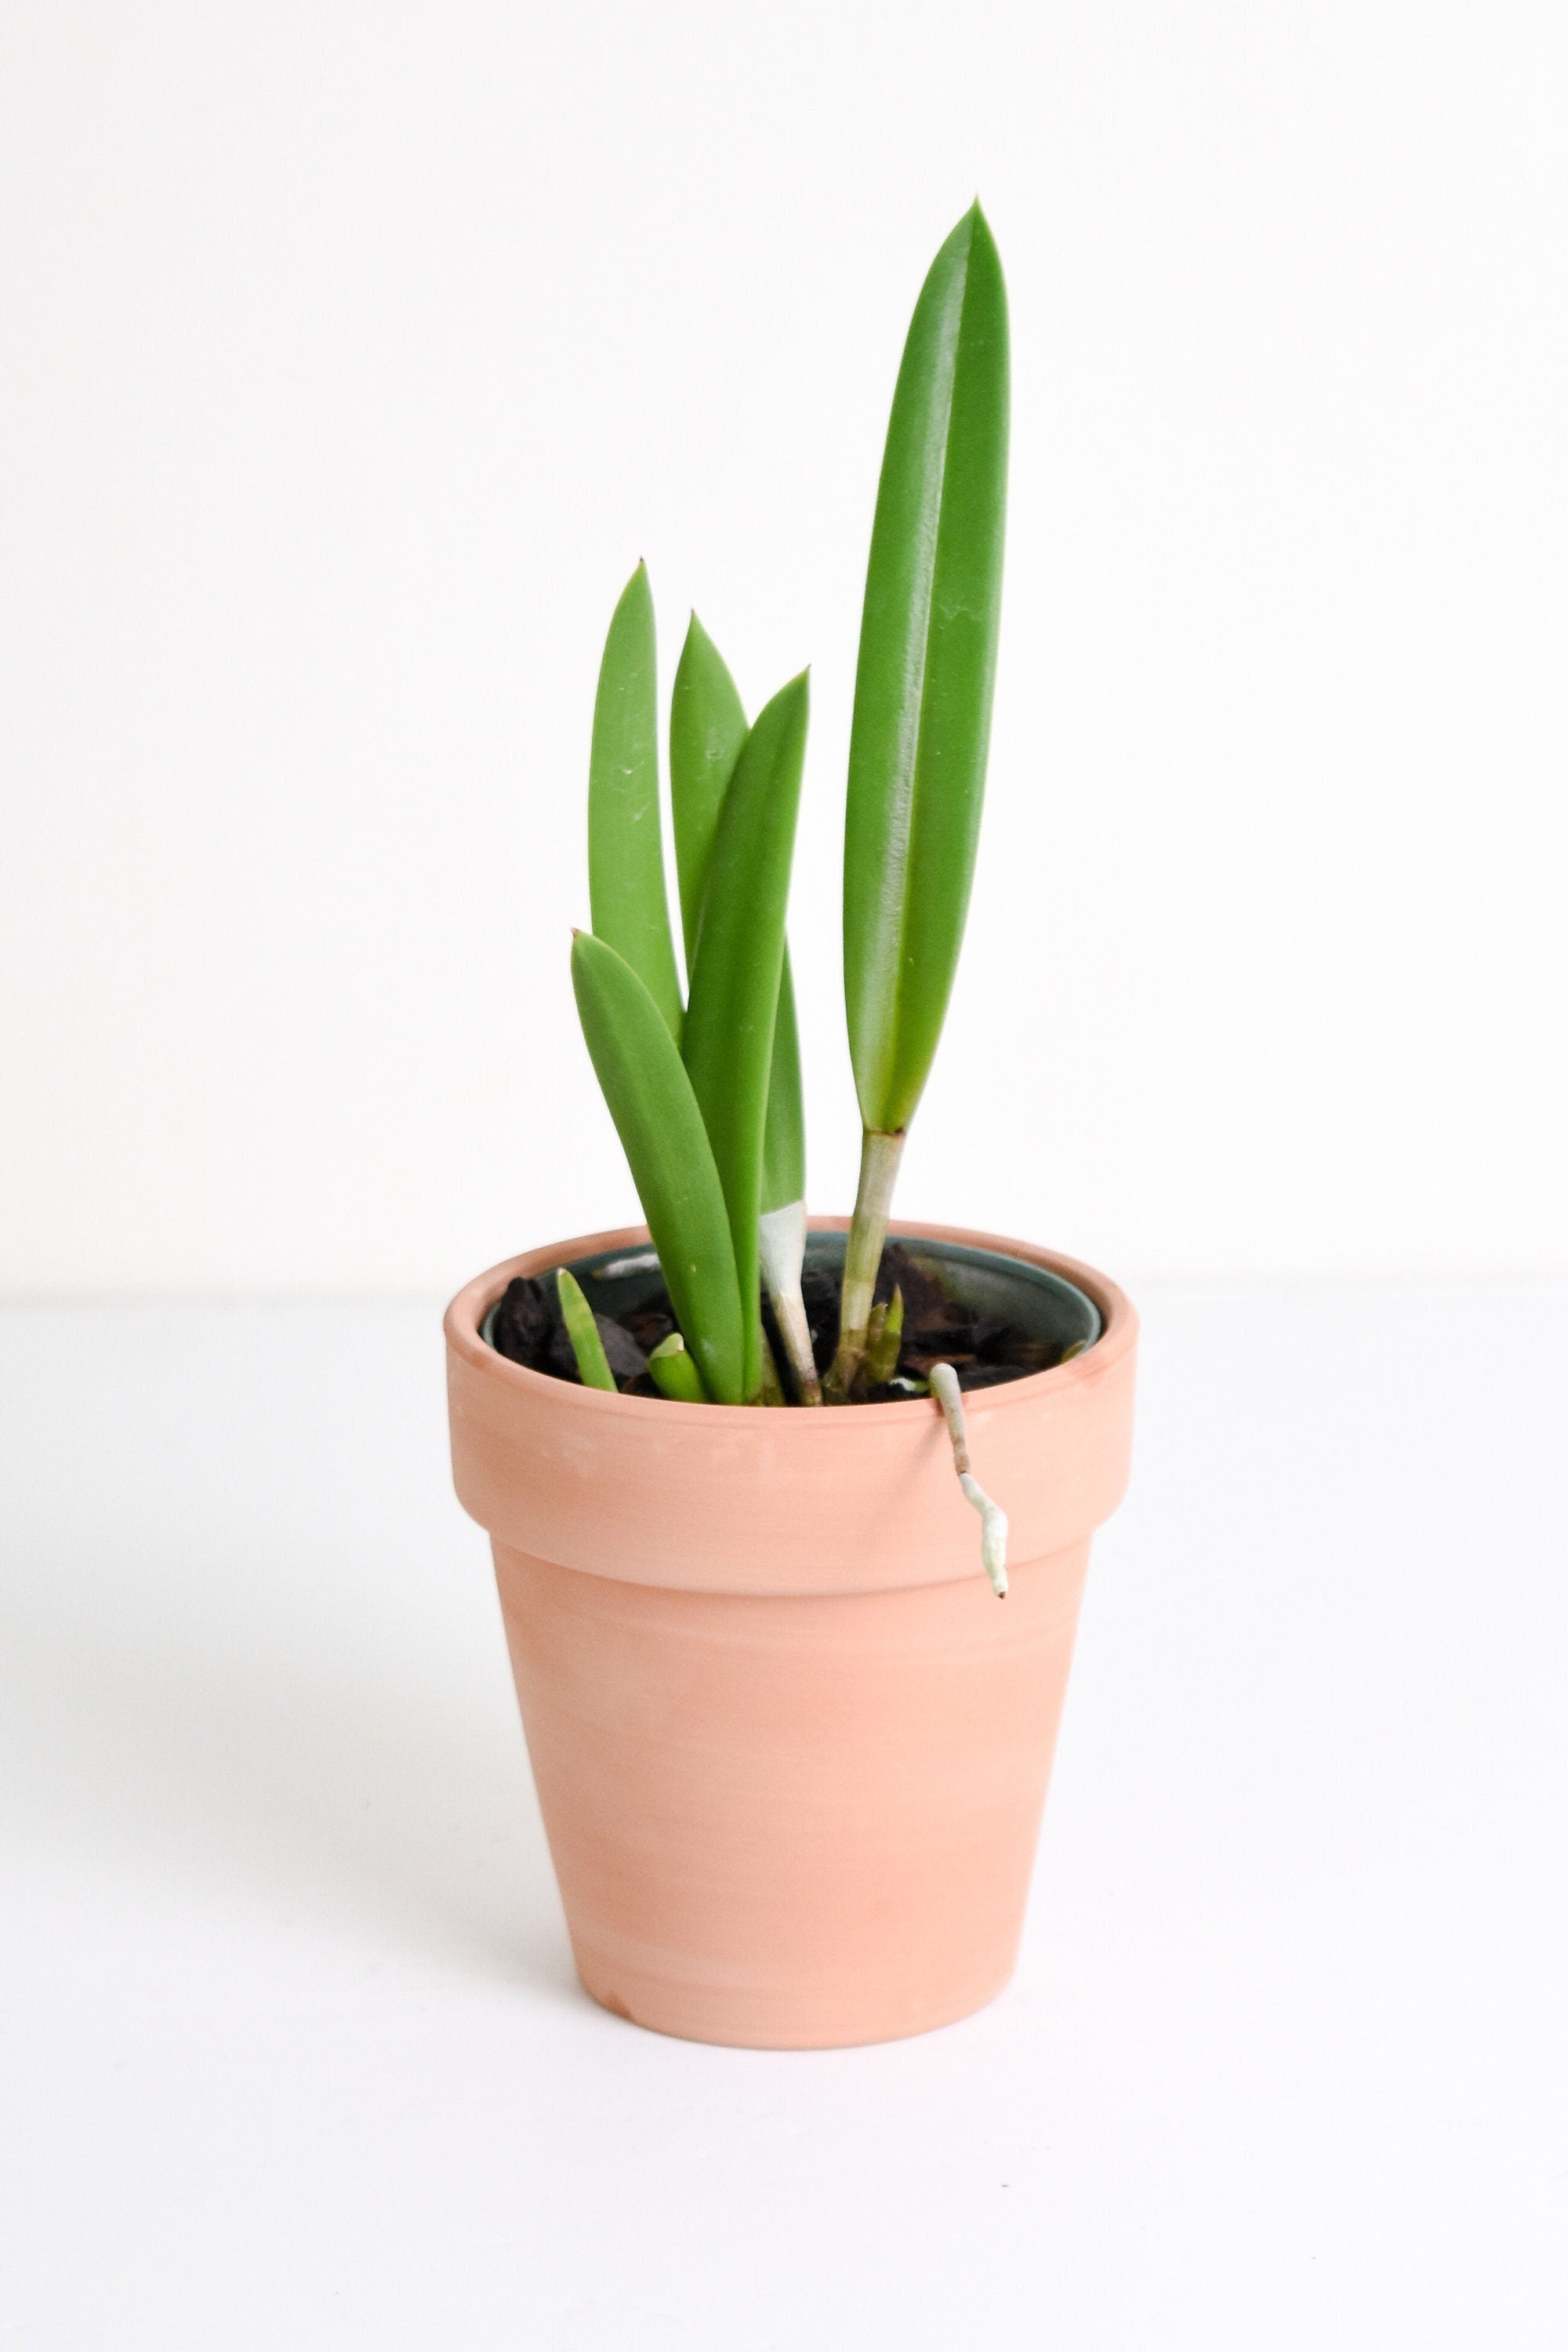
729	1037
672	1163
592	1364
922	688
783	1132
626	855
707	729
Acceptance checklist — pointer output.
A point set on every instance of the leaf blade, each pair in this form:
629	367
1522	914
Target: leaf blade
783	1130
728	1043
627	895
923	681
707	730
661	1129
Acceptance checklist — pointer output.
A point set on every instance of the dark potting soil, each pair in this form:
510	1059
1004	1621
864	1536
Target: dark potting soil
983	1350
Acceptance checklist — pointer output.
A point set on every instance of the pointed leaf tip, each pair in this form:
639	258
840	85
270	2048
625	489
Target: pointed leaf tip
923	681
626	898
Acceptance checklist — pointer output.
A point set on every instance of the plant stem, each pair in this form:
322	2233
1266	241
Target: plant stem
772	1389
782	1246
879	1157
993	1517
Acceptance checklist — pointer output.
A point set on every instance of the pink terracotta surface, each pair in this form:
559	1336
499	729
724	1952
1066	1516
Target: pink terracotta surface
790	1750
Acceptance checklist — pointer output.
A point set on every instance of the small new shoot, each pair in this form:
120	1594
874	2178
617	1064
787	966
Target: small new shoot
592	1364
884	1336
674	1371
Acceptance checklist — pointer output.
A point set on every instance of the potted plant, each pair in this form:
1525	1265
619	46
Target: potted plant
791	1754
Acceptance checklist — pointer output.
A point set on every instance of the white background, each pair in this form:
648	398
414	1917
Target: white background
351	357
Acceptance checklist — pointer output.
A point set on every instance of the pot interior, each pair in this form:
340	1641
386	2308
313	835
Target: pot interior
1043	1305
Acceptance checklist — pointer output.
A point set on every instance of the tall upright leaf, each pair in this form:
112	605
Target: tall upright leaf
728	1042
922	688
672	1163
707	730
626	856
922	722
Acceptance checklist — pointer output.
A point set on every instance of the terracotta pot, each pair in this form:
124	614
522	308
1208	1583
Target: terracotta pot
790	1750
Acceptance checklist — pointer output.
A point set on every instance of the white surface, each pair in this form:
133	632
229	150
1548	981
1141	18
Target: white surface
349	360
294	2055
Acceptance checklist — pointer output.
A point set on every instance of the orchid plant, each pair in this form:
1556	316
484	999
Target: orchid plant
705	1088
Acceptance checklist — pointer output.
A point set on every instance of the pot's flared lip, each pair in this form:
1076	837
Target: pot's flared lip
1110	1307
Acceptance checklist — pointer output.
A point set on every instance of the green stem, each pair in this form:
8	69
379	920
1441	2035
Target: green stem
772	1390
879	1157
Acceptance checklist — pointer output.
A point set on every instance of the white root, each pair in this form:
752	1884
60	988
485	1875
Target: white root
993	1517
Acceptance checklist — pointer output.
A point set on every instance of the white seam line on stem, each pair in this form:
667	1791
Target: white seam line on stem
993	1517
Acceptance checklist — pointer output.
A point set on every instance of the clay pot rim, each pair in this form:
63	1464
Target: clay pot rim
1117	1316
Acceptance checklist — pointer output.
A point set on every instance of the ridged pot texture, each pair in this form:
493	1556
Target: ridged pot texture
790	1750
